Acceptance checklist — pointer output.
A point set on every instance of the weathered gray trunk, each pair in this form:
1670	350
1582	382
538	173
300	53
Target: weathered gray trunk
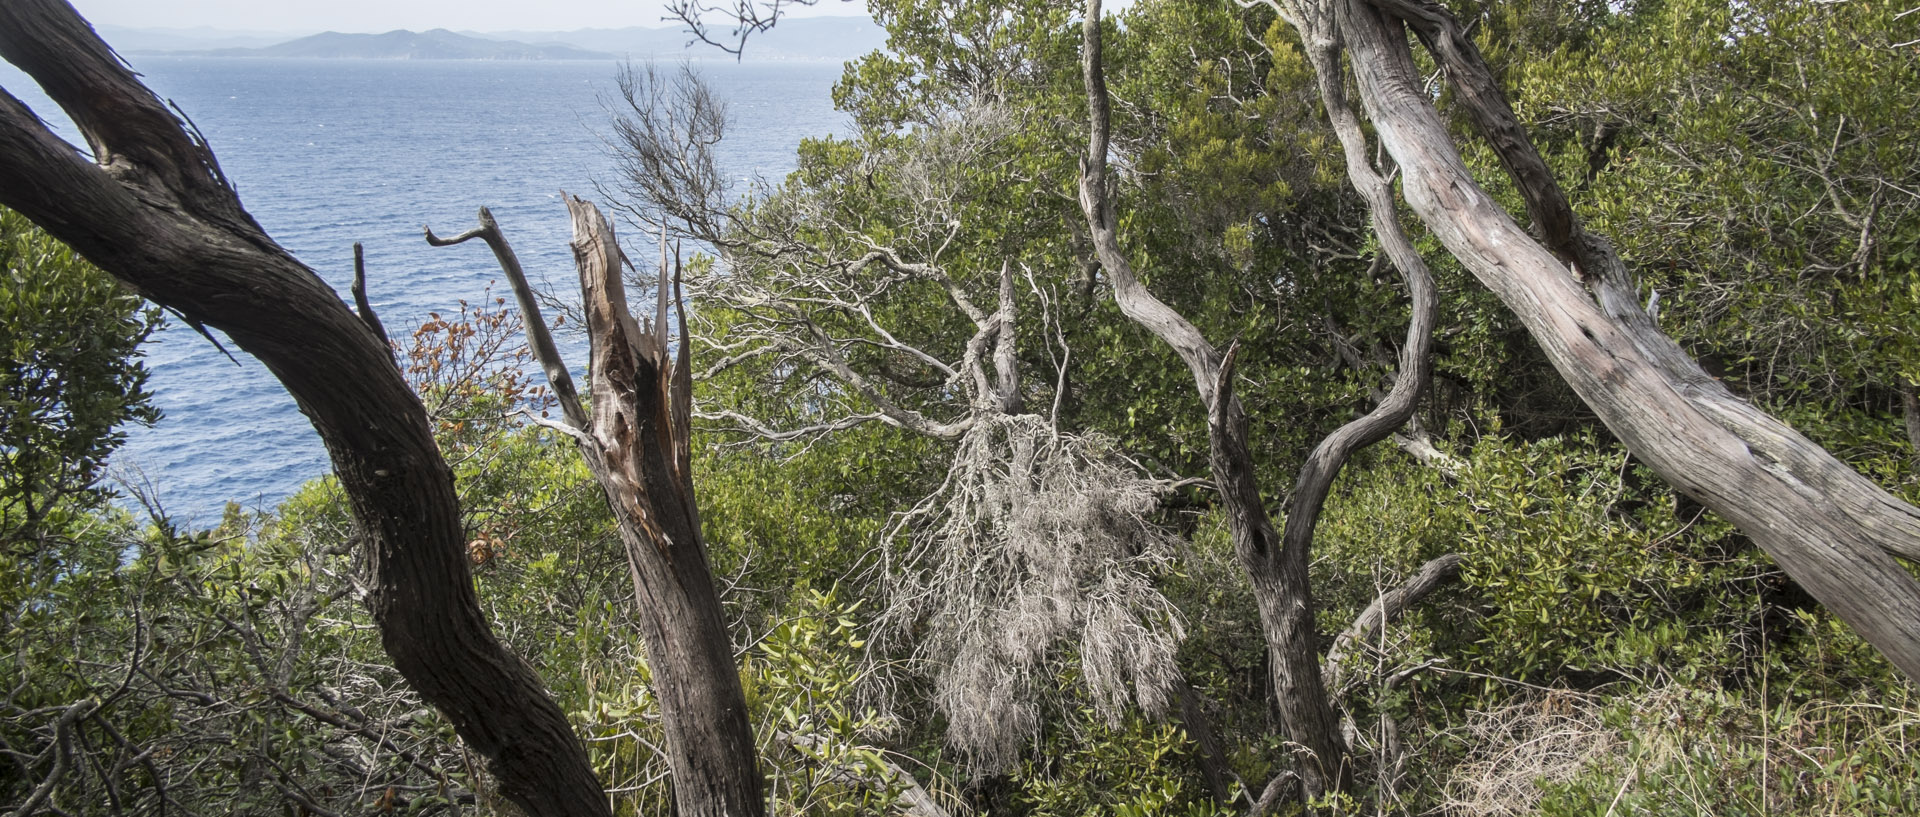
1830	528
156	213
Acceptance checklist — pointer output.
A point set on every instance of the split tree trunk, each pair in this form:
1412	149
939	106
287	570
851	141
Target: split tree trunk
1830	528
642	400
636	441
156	212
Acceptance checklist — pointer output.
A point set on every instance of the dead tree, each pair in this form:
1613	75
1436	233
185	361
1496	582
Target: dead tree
1833	530
153	209
636	442
1275	562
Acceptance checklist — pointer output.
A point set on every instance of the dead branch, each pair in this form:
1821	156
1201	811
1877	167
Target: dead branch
1831	528
360	301
1384	609
539	337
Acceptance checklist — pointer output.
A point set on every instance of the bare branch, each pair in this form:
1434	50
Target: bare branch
539	338
1831	528
62	751
360	301
747	18
1385	608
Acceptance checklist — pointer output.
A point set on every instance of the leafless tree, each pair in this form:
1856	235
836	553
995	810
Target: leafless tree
1038	541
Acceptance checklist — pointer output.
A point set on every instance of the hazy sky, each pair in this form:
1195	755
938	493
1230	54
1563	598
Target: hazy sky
373	16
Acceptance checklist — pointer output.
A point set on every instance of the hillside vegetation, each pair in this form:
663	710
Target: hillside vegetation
986	540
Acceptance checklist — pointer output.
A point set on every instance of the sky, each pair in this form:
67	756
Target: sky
374	16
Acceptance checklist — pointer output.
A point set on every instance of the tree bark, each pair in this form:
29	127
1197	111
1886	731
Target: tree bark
1276	563
1830	528
636	442
641	425
157	213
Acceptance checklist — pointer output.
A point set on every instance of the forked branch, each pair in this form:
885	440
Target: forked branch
539	337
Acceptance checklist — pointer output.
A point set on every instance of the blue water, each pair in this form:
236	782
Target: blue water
329	152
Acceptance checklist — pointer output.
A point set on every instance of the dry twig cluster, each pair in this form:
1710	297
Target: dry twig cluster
1038	545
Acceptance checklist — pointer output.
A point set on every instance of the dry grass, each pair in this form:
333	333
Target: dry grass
1552	737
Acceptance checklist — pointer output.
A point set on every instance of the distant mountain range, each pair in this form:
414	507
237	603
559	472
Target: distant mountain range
834	39
438	44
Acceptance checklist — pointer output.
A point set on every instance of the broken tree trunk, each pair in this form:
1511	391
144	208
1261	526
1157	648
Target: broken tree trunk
153	209
1830	528
636	443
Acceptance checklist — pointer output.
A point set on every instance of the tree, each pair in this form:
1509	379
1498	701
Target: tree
1833	530
1276	562
154	210
1769	199
876	287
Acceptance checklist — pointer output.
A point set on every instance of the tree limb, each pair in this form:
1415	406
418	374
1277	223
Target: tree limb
1828	526
360	301
539	337
1278	573
1385	608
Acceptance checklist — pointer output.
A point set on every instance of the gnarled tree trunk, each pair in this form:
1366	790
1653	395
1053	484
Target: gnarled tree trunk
1831	529
153	210
1276	562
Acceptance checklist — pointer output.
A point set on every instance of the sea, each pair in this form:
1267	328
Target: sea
326	153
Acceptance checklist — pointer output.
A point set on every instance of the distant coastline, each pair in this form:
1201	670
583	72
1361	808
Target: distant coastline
812	39
438	44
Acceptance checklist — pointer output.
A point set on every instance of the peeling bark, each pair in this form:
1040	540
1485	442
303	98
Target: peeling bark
154	210
1830	528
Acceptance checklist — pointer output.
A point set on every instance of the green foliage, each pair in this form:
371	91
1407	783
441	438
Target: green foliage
70	377
1585	562
221	671
1089	767
1705	752
1752	159
1754	163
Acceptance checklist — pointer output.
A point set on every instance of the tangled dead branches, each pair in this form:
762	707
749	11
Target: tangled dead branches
1038	547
